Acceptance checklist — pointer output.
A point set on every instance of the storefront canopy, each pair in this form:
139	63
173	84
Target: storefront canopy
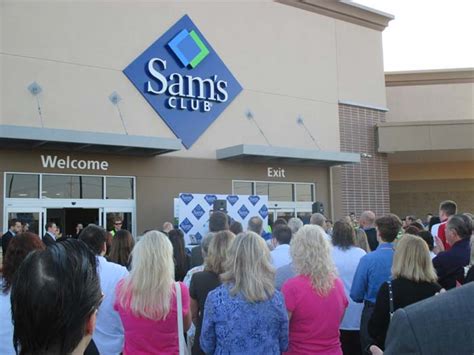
285	155
19	137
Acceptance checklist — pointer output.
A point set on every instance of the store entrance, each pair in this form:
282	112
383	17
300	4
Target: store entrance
66	219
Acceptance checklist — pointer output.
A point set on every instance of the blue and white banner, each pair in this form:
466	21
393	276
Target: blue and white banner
193	210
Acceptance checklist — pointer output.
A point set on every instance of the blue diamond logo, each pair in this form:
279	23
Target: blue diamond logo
243	211
186	225
198	212
263	212
254	200
232	199
210	199
184	80
187	198
198	237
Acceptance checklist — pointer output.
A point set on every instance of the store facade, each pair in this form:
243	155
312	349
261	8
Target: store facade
114	109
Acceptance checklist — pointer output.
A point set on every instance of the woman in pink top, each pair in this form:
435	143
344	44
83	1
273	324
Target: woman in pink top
146	299
315	298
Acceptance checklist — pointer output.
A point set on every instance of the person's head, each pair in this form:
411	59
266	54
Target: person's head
95	238
367	219
280	222
218	221
176	238
14	225
249	269
361	240
18	249
428	238
79	227
255	225
409	220
217	252
411	229
147	290
318	219
311	254
417	224
51	228
295	224
281	235
412	260
118	223
343	235
446	209
205	244
236	227
121	248
458	227
167	227
388	227
25	227
54	298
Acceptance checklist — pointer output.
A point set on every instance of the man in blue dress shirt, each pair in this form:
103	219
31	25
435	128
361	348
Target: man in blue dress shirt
373	270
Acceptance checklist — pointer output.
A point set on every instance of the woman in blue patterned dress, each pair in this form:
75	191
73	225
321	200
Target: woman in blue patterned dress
246	315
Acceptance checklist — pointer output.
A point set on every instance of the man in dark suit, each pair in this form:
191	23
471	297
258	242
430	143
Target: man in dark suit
50	236
442	324
14	227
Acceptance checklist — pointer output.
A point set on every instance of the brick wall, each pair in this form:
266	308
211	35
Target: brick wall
364	186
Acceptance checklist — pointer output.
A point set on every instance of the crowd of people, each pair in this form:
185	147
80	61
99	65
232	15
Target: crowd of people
375	284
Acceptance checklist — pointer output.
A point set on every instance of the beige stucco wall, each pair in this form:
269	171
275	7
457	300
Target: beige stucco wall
290	62
437	102
360	65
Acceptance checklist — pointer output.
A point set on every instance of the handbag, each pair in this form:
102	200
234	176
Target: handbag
183	349
390	298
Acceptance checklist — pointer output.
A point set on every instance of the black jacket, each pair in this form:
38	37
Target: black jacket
48	240
5	241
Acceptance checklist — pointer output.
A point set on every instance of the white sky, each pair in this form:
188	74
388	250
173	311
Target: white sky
427	34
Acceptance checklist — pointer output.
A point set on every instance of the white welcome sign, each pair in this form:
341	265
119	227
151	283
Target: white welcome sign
54	162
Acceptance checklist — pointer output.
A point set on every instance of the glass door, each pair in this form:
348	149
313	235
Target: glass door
30	218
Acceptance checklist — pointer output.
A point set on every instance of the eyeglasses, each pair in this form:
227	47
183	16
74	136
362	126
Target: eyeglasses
118	223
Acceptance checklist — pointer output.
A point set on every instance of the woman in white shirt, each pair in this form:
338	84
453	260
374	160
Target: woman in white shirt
346	256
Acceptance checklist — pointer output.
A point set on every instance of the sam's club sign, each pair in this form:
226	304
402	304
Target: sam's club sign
184	80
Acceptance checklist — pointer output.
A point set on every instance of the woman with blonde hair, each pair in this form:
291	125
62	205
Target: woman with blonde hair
205	281
245	315
315	298
146	299
413	279
361	240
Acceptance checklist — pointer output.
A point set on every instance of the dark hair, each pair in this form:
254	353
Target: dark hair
18	248
236	227
343	235
428	238
218	221
417	225
410	218
52	318
282	234
388	227
280	222
121	248
449	207
461	224
255	224
433	220
12	222
413	230
95	237
49	225
176	238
